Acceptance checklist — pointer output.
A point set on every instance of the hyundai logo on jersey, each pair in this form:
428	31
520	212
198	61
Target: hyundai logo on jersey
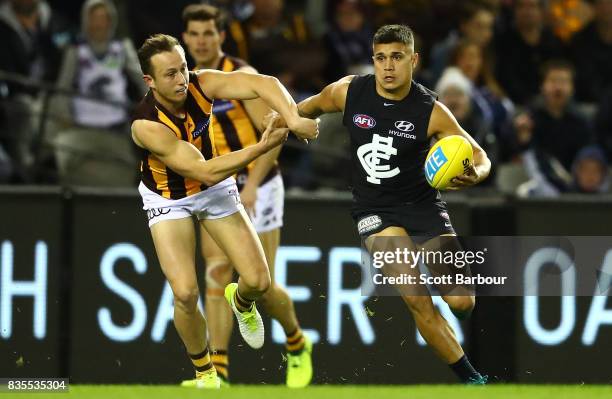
404	126
364	121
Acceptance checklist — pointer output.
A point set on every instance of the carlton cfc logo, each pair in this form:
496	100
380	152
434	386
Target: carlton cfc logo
364	121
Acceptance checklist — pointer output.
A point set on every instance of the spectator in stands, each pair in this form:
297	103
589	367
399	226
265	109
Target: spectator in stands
487	94
603	124
234	9
455	91
6	167
475	25
590	171
551	132
278	43
589	176
31	40
521	50
32	37
147	17
568	17
96	148
432	19
592	55
348	41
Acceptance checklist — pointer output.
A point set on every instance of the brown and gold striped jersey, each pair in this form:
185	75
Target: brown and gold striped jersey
194	128
232	127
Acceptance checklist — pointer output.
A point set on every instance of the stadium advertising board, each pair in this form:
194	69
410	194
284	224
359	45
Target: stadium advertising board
123	308
117	325
32	317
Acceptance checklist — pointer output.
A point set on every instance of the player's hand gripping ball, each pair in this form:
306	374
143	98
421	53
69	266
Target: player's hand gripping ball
448	158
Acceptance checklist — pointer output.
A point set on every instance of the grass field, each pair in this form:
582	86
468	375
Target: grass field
333	392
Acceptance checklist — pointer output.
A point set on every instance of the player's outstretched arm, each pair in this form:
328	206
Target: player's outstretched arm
241	85
331	99
187	161
257	110
442	124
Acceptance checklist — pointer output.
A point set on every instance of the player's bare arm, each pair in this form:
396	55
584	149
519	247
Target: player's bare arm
331	99
240	85
257	109
186	160
442	124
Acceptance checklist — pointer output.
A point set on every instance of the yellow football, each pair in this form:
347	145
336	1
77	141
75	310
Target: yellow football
448	158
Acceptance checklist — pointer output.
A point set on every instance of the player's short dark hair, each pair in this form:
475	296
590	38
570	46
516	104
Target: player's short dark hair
556	65
204	12
394	34
158	43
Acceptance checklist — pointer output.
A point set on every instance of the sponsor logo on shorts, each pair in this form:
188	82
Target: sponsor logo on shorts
234	193
155	212
369	223
364	121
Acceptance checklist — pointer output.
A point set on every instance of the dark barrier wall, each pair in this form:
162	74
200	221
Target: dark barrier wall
122	307
573	339
31	275
113	322
118	304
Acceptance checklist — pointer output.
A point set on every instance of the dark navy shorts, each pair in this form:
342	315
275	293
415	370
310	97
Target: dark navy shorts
424	220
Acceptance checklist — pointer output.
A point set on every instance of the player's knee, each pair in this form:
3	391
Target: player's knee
259	282
186	297
264	283
461	306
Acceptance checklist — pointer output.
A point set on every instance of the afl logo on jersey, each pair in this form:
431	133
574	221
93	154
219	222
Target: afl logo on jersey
364	121
404	126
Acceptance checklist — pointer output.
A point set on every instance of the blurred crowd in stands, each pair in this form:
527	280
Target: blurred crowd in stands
531	80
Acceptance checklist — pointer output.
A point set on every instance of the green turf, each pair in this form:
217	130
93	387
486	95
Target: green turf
333	392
